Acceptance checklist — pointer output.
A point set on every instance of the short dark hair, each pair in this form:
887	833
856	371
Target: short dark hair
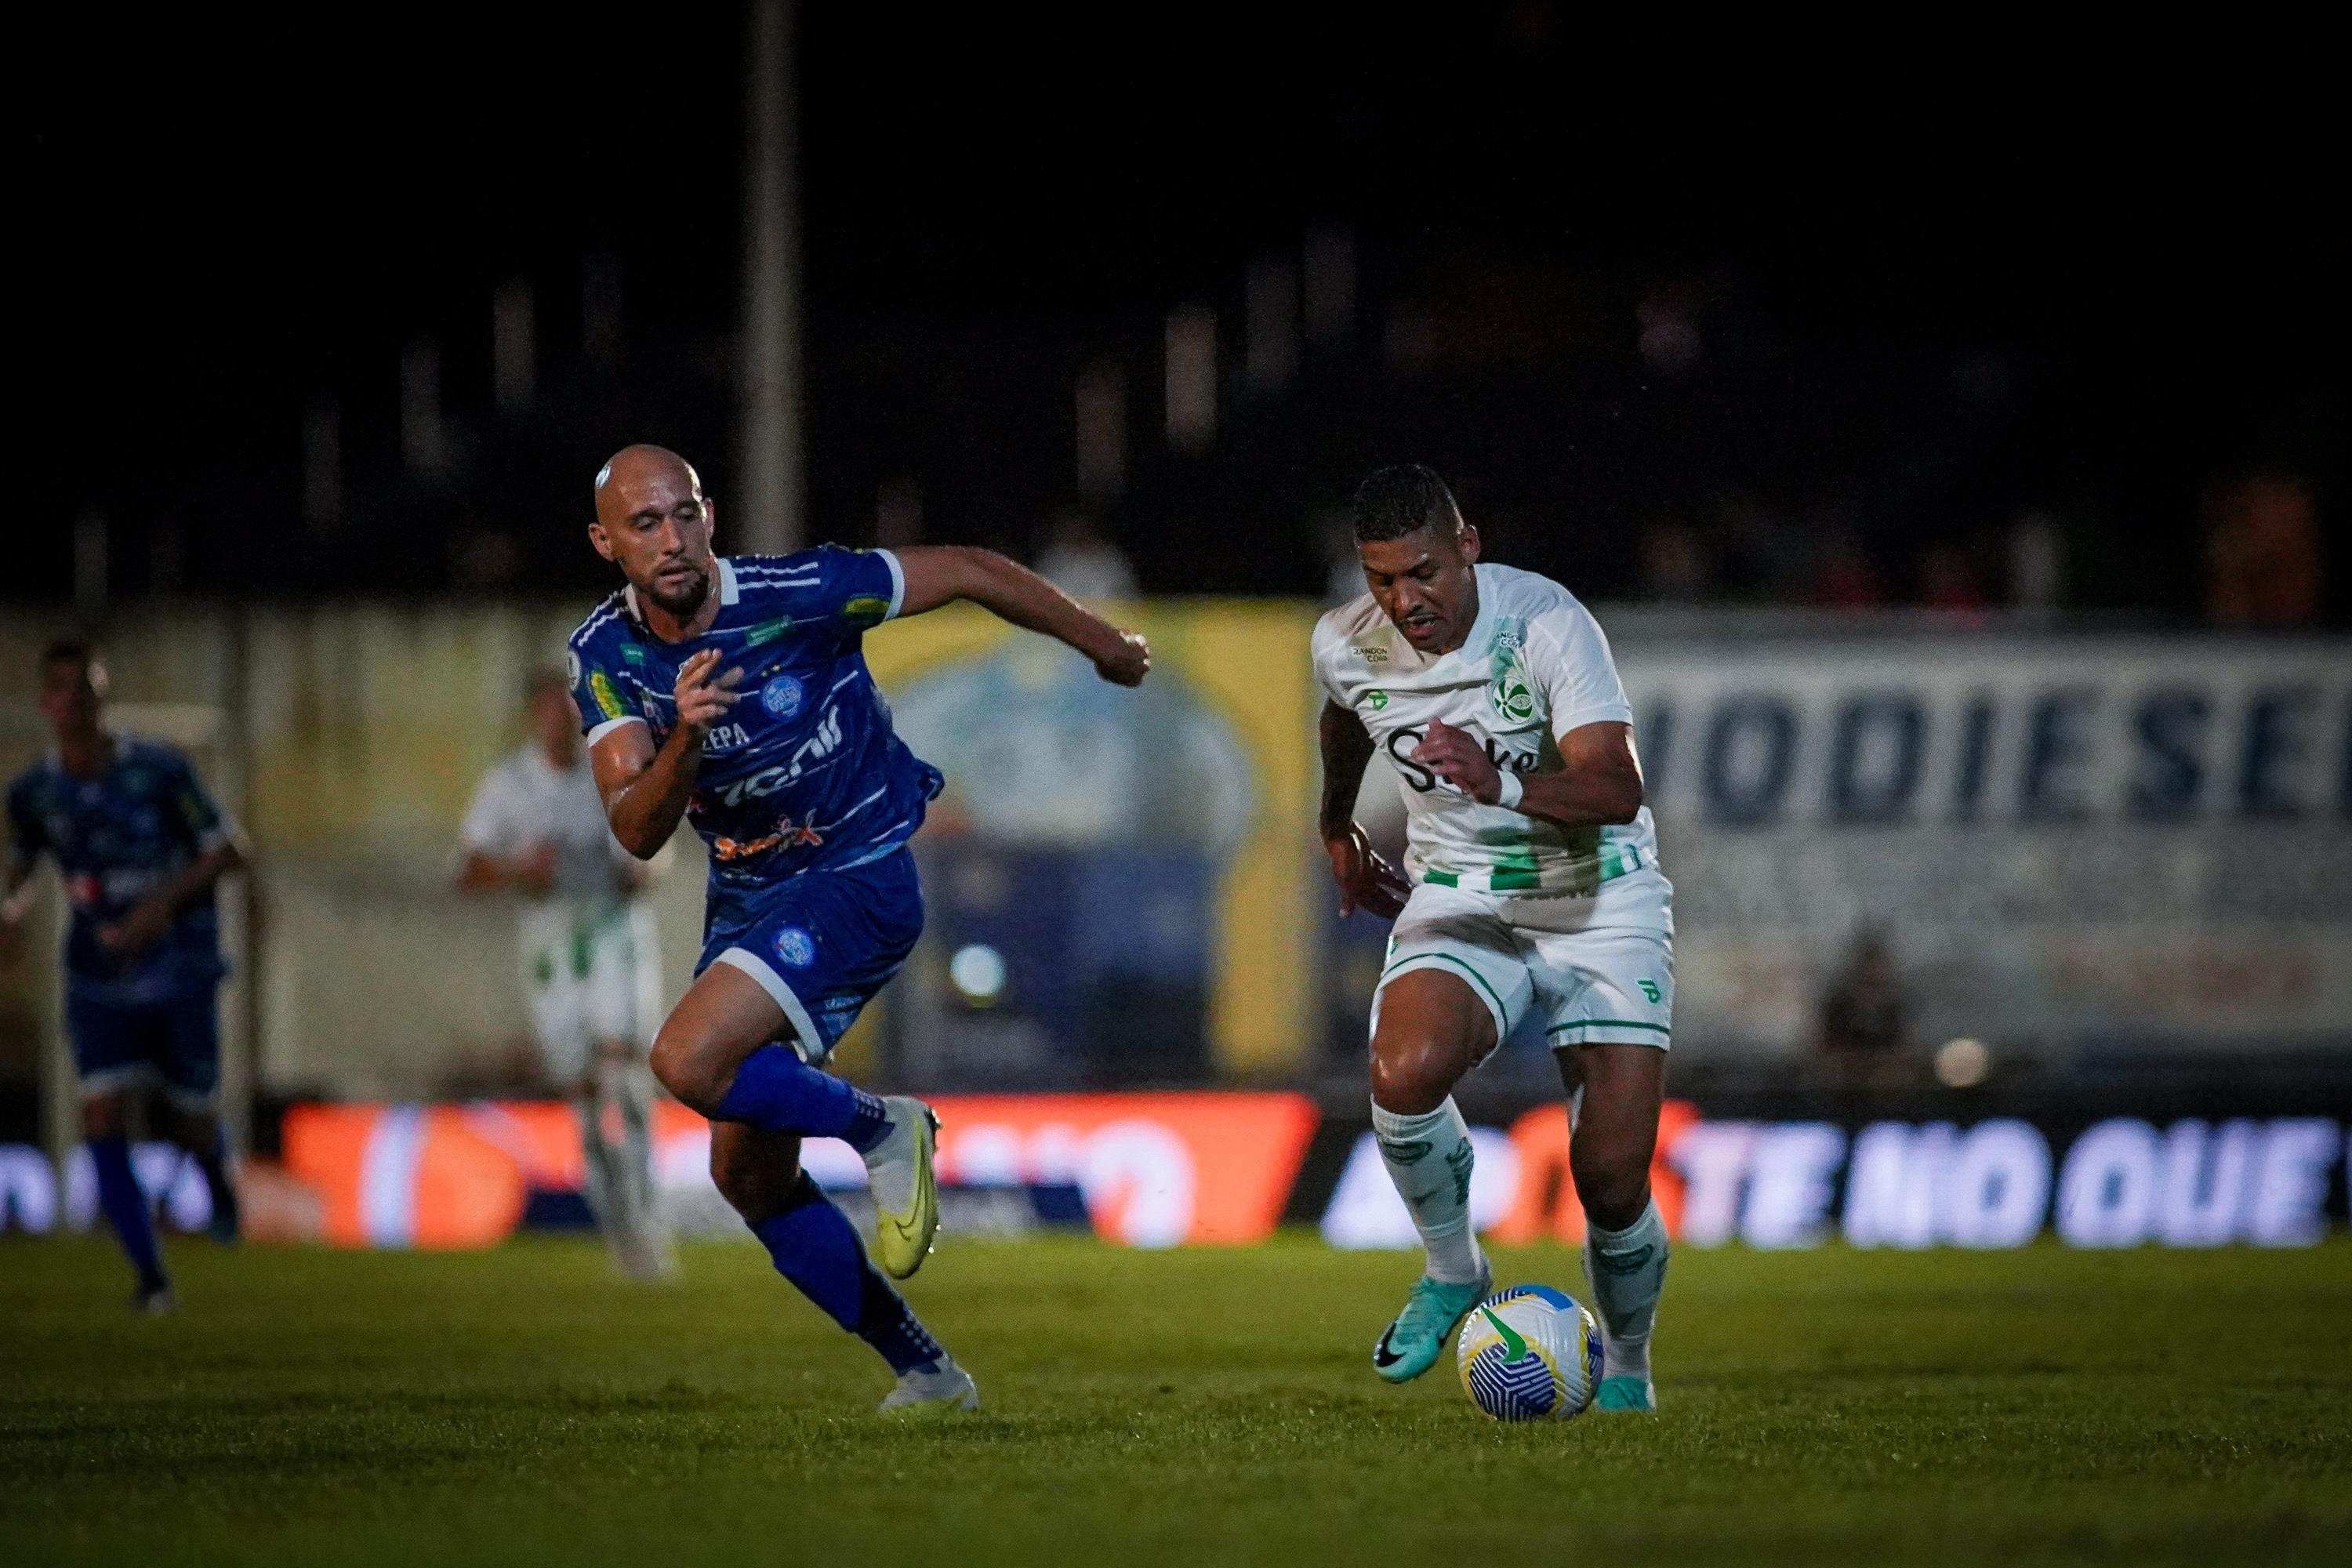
68	649
1403	498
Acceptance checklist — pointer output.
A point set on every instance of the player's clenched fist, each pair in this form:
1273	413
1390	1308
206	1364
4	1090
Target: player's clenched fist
1126	662
702	701
1453	756
1366	881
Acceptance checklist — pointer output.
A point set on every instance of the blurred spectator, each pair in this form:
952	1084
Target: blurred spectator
2263	566
1848	578
1082	562
1865	1018
1676	567
2037	563
487	560
1761	554
1669	340
1948	580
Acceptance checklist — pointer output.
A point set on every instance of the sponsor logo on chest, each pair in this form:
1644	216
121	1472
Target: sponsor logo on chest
1400	742
807	754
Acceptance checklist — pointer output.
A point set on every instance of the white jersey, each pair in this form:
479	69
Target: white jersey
590	957
526	800
1534	666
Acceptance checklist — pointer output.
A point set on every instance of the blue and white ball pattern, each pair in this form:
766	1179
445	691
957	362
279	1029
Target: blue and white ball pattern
1529	1353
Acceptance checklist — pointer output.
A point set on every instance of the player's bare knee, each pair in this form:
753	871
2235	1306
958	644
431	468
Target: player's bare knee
682	1059
1412	1073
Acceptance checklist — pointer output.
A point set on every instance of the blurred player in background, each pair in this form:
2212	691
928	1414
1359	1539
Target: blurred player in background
591	958
140	847
1534	889
733	692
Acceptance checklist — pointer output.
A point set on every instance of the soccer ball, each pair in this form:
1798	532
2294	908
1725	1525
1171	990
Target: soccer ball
1529	1353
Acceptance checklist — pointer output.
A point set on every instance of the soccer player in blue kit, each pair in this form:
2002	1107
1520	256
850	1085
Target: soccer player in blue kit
140	847
732	691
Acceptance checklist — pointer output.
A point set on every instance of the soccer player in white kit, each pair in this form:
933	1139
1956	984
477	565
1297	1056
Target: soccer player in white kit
1534	888
591	958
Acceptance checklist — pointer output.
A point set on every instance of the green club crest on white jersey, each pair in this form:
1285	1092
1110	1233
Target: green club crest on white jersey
1511	691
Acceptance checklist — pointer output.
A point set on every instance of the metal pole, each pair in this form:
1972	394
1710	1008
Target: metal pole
513	345
60	1094
241	904
90	565
767	514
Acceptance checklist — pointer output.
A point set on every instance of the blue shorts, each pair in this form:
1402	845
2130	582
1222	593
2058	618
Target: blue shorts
820	942
172	1042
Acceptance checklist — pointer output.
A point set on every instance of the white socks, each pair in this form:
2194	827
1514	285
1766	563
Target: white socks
620	1191
1628	1268
632	1091
605	1176
1429	1159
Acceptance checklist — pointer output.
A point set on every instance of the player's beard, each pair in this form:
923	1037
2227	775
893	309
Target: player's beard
683	602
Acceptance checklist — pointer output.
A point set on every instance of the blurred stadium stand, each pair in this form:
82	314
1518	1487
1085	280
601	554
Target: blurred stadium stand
2098	854
1968	557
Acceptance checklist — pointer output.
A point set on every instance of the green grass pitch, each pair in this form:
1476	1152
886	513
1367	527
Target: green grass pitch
1206	1406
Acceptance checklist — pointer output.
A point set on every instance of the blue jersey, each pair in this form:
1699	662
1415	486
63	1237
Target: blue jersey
805	773
115	839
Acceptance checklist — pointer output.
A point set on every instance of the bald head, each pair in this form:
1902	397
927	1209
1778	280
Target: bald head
653	523
628	471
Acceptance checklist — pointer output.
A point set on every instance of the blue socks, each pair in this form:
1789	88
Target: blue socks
812	1243
776	1090
816	1247
125	1207
215	1168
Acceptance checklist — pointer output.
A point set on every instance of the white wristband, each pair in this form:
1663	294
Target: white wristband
1511	791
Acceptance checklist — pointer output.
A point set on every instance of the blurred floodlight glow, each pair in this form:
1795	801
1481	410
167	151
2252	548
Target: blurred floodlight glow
1963	1063
977	972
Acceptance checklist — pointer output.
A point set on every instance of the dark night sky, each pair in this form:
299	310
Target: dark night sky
234	215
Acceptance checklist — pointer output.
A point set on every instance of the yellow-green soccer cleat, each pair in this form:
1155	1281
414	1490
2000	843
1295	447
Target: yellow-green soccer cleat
1417	1338
905	1193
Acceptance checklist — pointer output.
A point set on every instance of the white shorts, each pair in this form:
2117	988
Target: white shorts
593	976
1597	970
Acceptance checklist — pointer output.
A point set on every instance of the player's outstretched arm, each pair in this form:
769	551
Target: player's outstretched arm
1600	782
645	789
938	574
1366	881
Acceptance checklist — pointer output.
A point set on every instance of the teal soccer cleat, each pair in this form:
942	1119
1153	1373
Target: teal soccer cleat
1626	1394
1417	1338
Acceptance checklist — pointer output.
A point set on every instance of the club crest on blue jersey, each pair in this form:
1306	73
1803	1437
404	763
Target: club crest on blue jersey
781	697
795	947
